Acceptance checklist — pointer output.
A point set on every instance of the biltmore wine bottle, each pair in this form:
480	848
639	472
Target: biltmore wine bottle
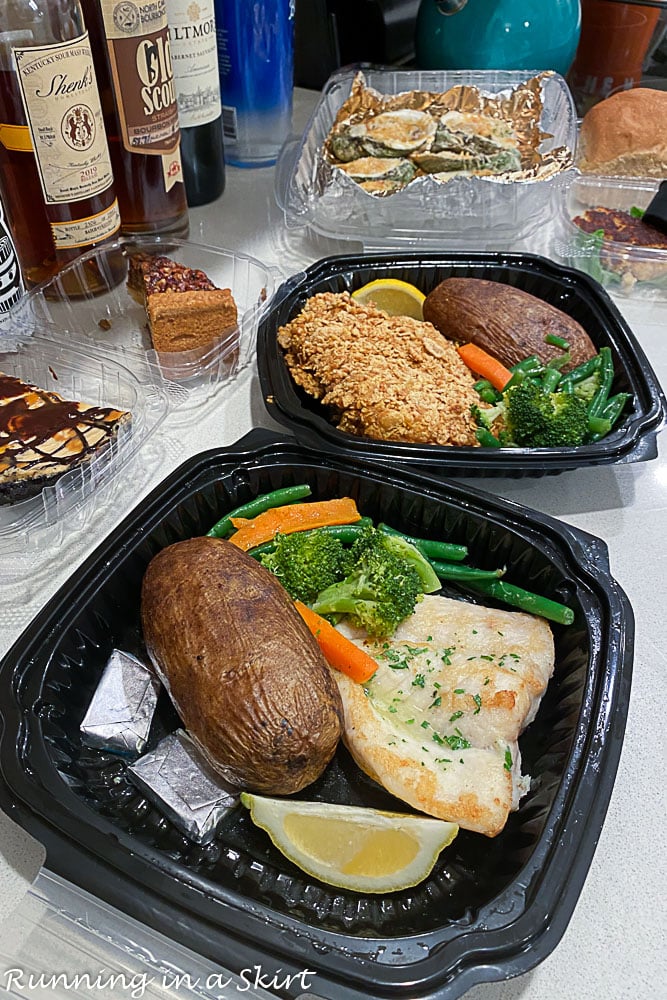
56	177
194	57
131	51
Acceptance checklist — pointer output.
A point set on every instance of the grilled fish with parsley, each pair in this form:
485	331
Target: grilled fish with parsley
438	723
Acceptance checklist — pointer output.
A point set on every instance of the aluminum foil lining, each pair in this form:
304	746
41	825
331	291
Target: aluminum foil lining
121	711
520	108
177	778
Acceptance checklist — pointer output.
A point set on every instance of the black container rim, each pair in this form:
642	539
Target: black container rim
633	441
142	881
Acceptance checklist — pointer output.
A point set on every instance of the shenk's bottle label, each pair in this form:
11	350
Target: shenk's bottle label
143	79
87	231
62	107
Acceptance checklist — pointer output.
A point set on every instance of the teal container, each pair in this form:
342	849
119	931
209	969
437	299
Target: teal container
497	34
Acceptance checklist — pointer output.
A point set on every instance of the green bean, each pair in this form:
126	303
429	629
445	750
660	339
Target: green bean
555	341
429	548
517	597
598	427
550	379
482	384
600	398
347	533
614	406
487	439
455	571
582	371
487	392
557	363
530	364
277	498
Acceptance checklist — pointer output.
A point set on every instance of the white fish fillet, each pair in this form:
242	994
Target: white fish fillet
438	723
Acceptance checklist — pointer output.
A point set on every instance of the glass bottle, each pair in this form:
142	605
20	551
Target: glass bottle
194	56
56	177
256	55
131	51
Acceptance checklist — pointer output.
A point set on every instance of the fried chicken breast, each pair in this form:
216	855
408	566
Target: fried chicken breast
389	378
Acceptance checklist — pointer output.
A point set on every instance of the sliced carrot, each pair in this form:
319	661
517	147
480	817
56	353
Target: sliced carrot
336	648
485	365
293	517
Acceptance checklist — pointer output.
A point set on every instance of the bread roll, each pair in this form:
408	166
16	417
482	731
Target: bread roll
626	135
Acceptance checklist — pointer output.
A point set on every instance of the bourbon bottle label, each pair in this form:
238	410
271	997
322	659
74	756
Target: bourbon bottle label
86	232
143	80
62	107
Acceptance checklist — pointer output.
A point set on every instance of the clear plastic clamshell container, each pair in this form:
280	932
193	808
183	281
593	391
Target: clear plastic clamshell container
114	320
29	526
472	212
625	269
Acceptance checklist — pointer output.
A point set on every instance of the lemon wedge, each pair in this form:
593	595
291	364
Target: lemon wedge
351	847
398	298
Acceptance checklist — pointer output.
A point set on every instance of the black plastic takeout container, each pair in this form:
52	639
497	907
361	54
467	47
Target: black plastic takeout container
632	440
491	909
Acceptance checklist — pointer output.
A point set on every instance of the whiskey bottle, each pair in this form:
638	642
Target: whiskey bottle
131	52
194	54
56	178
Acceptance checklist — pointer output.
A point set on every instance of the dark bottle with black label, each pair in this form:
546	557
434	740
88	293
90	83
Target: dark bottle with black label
194	57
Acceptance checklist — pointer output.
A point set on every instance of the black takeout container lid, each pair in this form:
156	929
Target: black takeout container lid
491	909
632	440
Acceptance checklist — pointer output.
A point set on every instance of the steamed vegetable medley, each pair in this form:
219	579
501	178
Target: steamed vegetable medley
334	563
534	405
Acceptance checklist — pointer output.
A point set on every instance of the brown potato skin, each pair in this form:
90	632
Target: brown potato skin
245	674
508	323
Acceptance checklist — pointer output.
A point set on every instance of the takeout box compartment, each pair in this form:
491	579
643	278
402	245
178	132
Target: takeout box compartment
29	525
489	910
113	320
636	272
474	211
633	439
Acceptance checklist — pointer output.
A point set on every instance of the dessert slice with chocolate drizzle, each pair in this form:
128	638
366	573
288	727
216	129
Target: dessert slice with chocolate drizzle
43	436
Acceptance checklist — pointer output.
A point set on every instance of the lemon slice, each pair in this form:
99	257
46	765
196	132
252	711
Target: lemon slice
398	298
351	847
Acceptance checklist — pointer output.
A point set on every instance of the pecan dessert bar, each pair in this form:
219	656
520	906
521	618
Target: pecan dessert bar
185	310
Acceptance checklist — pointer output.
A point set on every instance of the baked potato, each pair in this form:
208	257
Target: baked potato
508	323
245	674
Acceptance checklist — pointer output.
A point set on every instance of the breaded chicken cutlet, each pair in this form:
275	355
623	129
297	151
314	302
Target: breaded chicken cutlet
385	377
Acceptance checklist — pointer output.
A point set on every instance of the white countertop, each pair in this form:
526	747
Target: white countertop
614	946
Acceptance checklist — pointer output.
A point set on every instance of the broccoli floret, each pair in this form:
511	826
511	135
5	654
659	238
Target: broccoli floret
488	416
586	389
307	562
382	588
536	418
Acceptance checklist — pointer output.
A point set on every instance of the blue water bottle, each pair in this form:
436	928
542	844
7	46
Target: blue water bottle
256	60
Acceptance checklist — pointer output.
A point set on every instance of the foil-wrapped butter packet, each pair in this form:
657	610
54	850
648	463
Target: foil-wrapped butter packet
179	780
121	711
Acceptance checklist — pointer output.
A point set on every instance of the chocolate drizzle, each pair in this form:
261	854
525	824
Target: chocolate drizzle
42	436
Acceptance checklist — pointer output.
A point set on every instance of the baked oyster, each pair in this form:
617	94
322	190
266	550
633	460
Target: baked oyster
470	141
391	134
379	175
